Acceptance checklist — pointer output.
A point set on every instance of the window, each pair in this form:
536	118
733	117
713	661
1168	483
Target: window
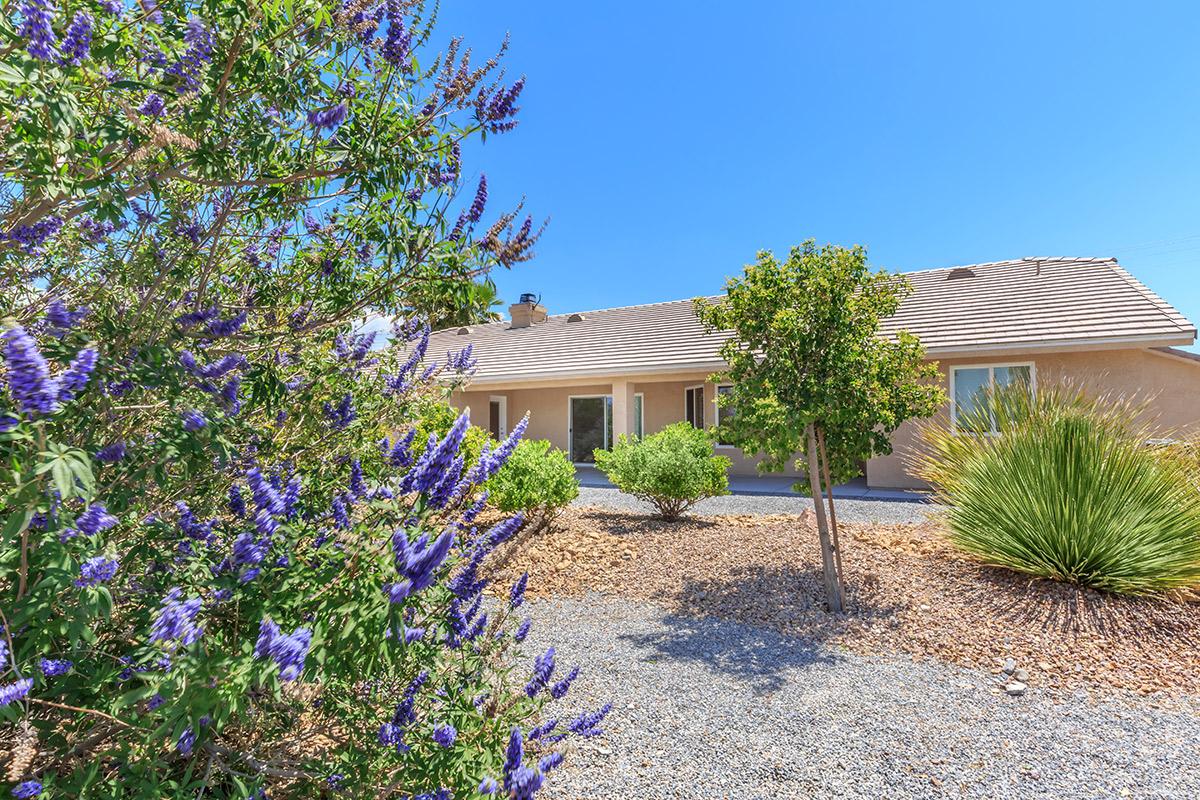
724	413
693	398
639	415
970	388
589	426
498	417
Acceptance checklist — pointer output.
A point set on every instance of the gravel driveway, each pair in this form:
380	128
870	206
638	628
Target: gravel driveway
882	511
710	709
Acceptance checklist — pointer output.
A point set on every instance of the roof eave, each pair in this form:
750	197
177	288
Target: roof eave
1182	339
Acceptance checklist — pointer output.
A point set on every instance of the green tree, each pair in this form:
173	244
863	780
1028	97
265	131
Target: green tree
812	374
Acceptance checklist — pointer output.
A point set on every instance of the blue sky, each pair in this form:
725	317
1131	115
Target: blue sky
670	140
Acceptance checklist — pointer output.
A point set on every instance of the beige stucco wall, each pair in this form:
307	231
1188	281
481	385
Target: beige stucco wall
547	406
1169	385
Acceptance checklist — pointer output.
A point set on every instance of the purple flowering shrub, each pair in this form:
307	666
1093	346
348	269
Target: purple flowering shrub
234	557
205	613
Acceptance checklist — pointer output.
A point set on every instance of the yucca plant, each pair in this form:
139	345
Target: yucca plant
1065	487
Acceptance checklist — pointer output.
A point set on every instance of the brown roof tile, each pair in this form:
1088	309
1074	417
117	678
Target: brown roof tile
1041	303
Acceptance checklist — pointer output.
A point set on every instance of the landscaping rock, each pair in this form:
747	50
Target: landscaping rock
1015	689
1021	676
766	570
710	708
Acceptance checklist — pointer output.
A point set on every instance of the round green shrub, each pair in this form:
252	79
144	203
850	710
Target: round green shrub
437	417
537	479
673	469
1068	490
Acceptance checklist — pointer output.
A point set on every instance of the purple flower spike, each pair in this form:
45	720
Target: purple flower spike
94	519
111	453
517	595
176	620
35	28
54	667
152	106
559	690
29	381
32	237
12	692
543	668
78	40
329	118
398	41
96	570
193	421
76	376
288	651
27	789
187	740
445	735
61	318
480	201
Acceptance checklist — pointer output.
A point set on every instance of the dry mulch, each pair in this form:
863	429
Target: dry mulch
908	592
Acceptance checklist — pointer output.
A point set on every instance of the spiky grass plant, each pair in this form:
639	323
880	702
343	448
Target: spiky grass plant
1065	487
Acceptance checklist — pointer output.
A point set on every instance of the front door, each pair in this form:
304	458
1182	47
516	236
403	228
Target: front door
590	427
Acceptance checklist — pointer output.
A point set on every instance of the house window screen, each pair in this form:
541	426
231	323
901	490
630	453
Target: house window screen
694	401
972	388
724	413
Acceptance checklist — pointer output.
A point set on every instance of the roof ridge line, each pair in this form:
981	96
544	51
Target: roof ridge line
1018	261
1013	261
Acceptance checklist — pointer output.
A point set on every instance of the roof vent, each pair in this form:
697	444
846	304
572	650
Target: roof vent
960	272
464	331
529	297
575	318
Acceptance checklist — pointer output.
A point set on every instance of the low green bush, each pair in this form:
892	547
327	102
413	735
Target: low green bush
1067	489
673	469
536	479
437	417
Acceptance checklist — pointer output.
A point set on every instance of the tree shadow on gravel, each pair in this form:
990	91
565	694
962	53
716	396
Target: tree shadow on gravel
757	657
759	622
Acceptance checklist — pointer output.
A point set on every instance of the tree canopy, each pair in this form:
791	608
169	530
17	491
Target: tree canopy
813	373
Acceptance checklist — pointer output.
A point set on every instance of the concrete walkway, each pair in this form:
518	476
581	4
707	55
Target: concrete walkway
777	486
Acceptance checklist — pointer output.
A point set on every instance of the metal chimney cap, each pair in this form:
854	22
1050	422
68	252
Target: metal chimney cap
530	298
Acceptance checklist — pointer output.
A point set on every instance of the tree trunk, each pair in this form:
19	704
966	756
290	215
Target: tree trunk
833	524
833	584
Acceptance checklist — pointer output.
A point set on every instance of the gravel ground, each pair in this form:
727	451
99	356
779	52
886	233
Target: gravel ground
883	511
705	708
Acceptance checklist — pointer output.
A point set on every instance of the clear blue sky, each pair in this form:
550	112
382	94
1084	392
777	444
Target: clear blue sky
670	140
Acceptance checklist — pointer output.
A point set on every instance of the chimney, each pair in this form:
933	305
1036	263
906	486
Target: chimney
527	311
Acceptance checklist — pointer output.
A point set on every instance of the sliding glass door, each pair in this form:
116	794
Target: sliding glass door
590	426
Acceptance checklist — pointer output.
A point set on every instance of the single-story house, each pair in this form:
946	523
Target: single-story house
587	377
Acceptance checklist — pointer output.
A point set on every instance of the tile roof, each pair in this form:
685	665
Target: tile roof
1026	304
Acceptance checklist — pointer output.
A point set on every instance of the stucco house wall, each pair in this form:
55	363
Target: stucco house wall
547	407
1168	384
1172	407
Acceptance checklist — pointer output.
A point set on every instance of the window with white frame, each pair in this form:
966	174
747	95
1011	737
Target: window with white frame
724	413
972	387
693	405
